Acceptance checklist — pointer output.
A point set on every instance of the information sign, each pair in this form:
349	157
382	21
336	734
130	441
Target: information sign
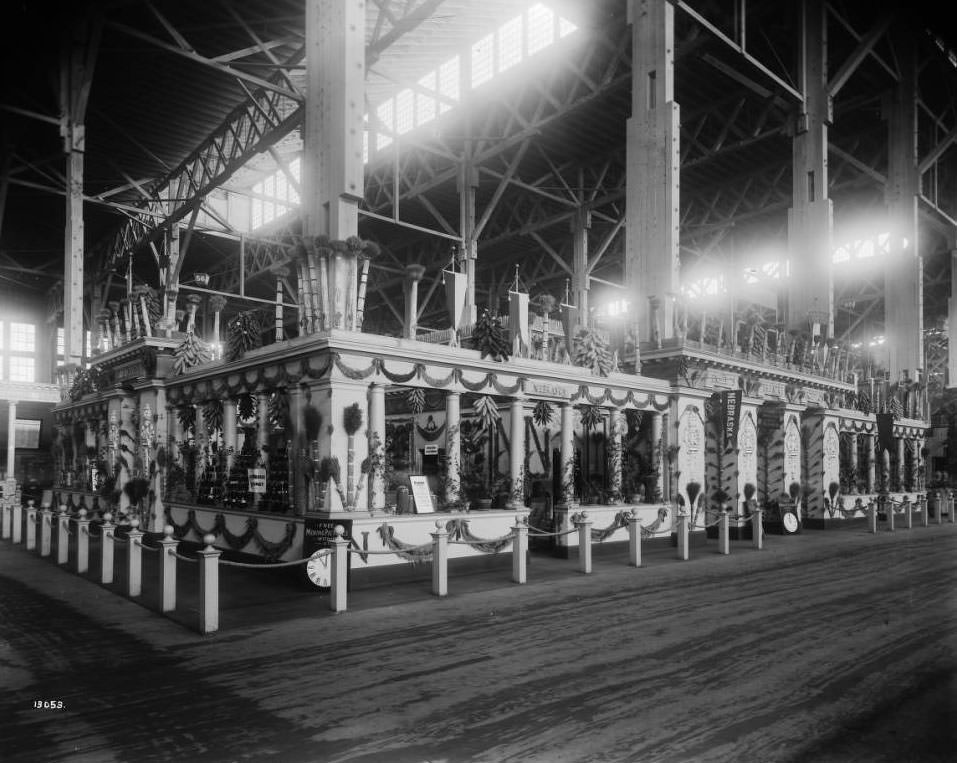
421	494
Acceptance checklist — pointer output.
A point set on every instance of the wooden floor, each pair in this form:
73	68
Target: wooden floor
827	646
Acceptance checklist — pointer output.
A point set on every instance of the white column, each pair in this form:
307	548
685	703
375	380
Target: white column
453	439
657	454
568	454
377	428
11	437
516	453
614	427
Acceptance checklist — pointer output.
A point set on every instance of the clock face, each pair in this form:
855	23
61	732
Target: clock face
790	522
319	569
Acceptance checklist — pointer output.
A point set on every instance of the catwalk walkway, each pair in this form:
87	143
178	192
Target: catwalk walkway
828	646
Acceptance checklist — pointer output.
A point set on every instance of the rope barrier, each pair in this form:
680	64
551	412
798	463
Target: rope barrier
184	558
255	566
381	552
144	546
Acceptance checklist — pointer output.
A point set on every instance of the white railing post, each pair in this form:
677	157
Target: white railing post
82	542
7	510
684	547
338	594
583	523
757	529
872	516
942	505
17	522
46	530
890	514
950	506
208	586
520	550
724	533
924	518
106	549
440	560
167	581
31	526
134	560
634	540
62	536
908	513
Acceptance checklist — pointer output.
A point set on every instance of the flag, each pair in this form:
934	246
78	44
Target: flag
570	325
456	288
731	416
518	317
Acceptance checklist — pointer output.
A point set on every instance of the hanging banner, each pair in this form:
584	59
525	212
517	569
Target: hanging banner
570	325
456	288
885	431
518	317
731	416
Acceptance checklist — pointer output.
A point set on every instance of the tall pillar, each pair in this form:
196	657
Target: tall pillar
332	177
467	187
453	442
377	432
580	223
853	461
229	433
516	453
11	438
651	229
567	454
870	448
811	285
903	268
413	274
615	426
657	447
75	139
901	458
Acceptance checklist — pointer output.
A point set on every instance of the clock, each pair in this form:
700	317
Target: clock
790	522
319	568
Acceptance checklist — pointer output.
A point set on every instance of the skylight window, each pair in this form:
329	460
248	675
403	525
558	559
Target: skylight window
541	28
510	44
482	60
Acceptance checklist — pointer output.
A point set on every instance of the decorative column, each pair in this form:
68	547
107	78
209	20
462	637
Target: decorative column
580	224
11	438
657	449
453	441
567	495
516	453
615	426
870	447
229	433
901	458
853	461
377	446
653	140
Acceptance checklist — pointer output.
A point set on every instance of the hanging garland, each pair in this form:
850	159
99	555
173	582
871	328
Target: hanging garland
458	529
271	550
396	378
502	389
476	386
431	380
432	435
354	373
414	554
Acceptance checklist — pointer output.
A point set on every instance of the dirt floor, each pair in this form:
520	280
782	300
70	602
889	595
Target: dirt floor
834	645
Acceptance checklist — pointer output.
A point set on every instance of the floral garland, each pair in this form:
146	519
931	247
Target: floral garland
407	551
397	378
434	382
430	436
459	530
271	550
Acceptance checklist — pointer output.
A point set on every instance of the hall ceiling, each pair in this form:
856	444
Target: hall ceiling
172	78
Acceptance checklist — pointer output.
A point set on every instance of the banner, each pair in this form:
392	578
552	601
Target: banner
731	417
885	431
456	288
518	317
570	325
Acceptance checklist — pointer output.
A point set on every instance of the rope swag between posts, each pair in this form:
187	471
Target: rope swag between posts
271	550
621	521
458	530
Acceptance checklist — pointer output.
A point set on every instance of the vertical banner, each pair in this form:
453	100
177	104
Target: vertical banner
569	324
885	430
731	416
456	286
518	318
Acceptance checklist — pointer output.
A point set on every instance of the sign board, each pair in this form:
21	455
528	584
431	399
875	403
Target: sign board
431	450
26	433
421	494
318	533
257	480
